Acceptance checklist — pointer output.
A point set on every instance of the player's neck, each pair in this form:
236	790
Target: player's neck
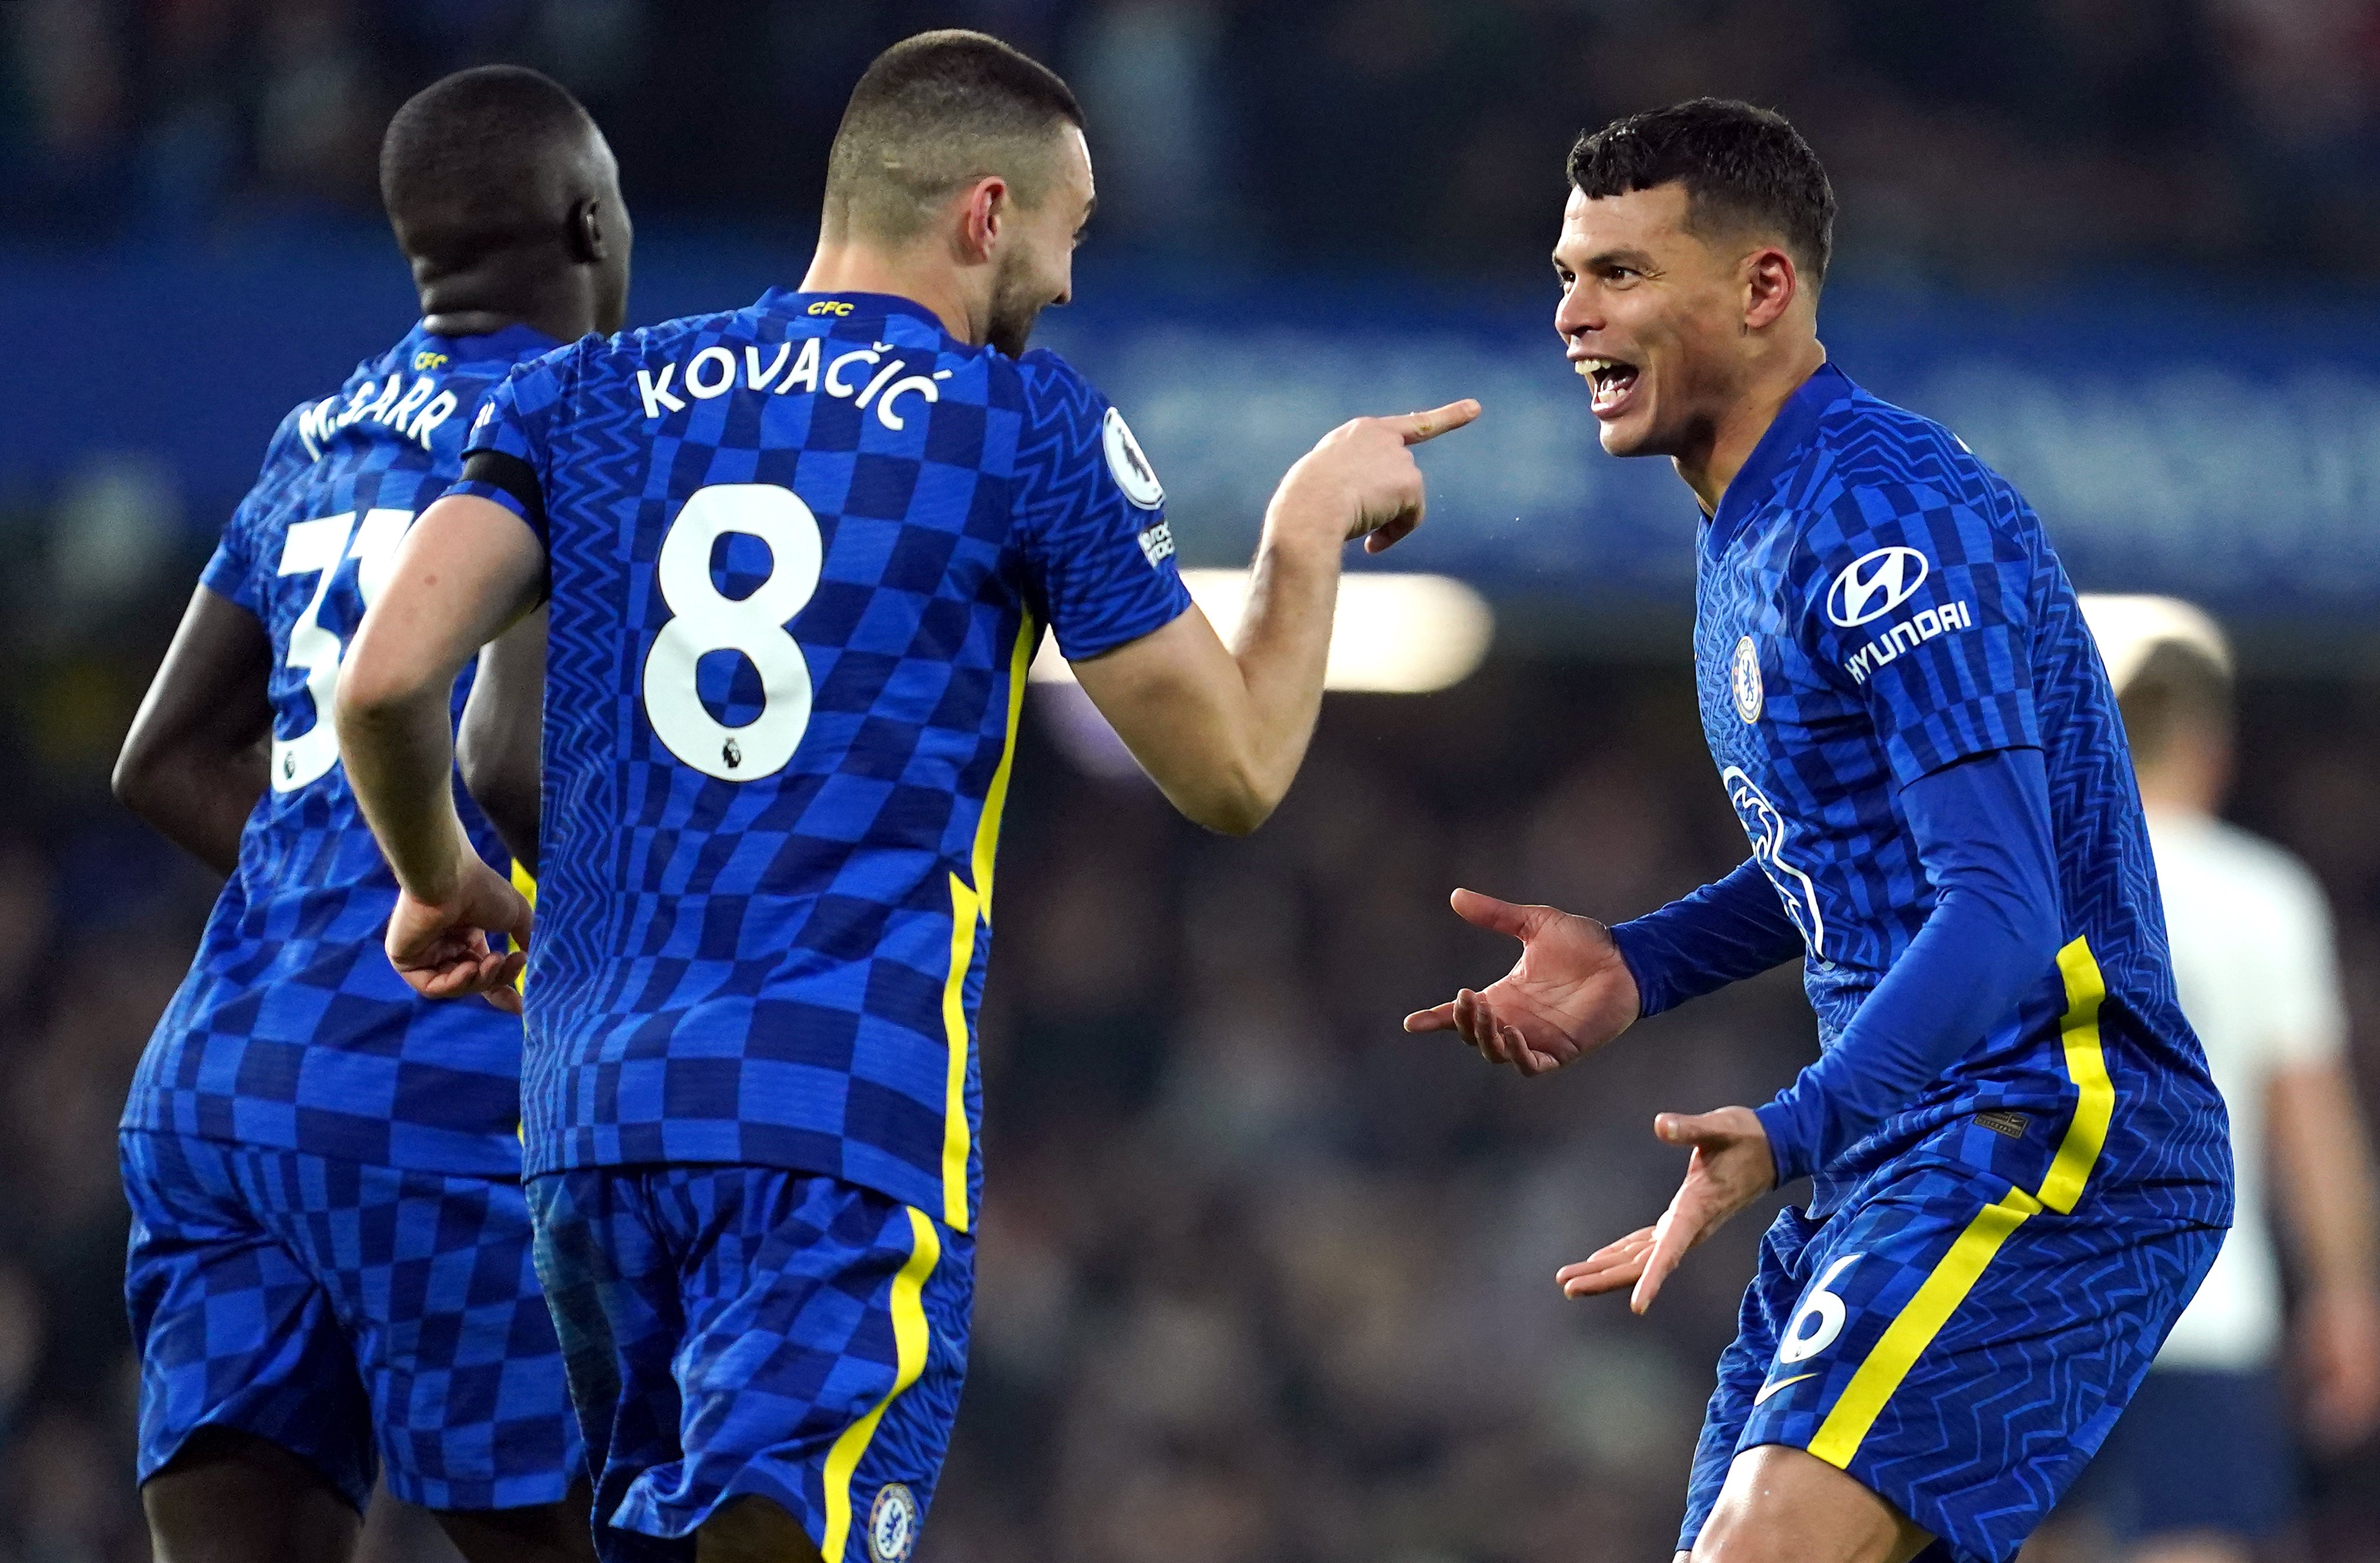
1736	433
563	314
846	266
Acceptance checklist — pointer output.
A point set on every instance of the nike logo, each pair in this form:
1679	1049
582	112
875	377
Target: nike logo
1768	1389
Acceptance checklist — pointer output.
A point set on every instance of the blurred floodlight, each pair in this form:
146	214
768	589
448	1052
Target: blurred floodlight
2129	627
1394	633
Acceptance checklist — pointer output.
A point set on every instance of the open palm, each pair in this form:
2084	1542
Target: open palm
1569	993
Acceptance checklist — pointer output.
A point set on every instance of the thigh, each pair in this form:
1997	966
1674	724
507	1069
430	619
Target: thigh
1962	1351
1785	1505
234	1331
824	1345
433	1280
1767	1302
228	1496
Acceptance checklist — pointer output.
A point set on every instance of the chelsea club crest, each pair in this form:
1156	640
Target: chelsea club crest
892	1524
1744	677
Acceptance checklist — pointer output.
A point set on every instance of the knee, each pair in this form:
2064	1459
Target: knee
1727	1540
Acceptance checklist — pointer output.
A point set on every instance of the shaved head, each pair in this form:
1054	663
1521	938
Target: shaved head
501	189
933	114
485	160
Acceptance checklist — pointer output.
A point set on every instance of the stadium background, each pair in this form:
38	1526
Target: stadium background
1263	1278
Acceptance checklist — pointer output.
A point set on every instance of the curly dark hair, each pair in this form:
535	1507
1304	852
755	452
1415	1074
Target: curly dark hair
1740	165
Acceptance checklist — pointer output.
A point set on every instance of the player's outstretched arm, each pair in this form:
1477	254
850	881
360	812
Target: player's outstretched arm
1567	994
1222	731
1578	985
499	745
194	763
468	570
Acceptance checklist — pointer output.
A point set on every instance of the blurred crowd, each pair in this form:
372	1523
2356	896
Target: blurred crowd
1263	1279
1991	139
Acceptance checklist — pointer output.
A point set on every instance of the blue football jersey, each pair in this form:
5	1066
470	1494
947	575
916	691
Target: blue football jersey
800	555
292	1030
1873	603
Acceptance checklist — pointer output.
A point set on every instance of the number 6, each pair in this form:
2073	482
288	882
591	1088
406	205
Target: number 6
1825	1307
705	620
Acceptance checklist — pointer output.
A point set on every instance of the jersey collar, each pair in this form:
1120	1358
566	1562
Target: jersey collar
513	342
1791	429
786	301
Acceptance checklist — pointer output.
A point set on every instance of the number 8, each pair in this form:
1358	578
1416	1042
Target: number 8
1828	1310
704	620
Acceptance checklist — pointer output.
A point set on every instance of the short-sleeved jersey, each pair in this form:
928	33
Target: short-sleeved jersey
1873	604
799	555
2254	962
292	1030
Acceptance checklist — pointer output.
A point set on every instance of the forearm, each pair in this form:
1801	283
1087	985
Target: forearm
498	747
2327	1193
196	758
400	754
466	572
1283	649
1983	834
1728	931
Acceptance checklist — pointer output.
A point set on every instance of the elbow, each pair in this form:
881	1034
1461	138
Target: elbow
372	695
1236	818
134	780
1235	805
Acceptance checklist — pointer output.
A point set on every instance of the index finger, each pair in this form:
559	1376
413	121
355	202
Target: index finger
1671	1241
1419	426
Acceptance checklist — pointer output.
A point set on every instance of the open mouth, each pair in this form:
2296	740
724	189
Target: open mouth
1610	382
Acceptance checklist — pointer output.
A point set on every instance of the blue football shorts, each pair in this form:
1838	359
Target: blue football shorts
736	1331
370	1320
1945	1339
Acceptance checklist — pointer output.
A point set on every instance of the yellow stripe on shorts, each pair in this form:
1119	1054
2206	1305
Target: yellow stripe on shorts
1863	1401
908	1309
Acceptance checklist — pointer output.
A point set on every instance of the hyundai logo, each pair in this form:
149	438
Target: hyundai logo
1875	583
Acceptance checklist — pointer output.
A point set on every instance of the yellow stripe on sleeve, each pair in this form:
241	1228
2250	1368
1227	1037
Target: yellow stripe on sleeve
969	904
908	1310
1897	1351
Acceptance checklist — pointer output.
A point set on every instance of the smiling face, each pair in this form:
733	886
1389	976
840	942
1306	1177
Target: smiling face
1653	315
1035	262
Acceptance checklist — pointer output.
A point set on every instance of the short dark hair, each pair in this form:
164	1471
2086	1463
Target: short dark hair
935	113
467	165
2178	686
1739	164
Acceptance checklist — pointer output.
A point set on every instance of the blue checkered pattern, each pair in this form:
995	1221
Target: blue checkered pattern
744	955
291	1030
1963	636
2013	1394
739	1332
366	1318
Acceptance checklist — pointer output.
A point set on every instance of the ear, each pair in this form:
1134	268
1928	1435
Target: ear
588	243
983	210
1770	285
